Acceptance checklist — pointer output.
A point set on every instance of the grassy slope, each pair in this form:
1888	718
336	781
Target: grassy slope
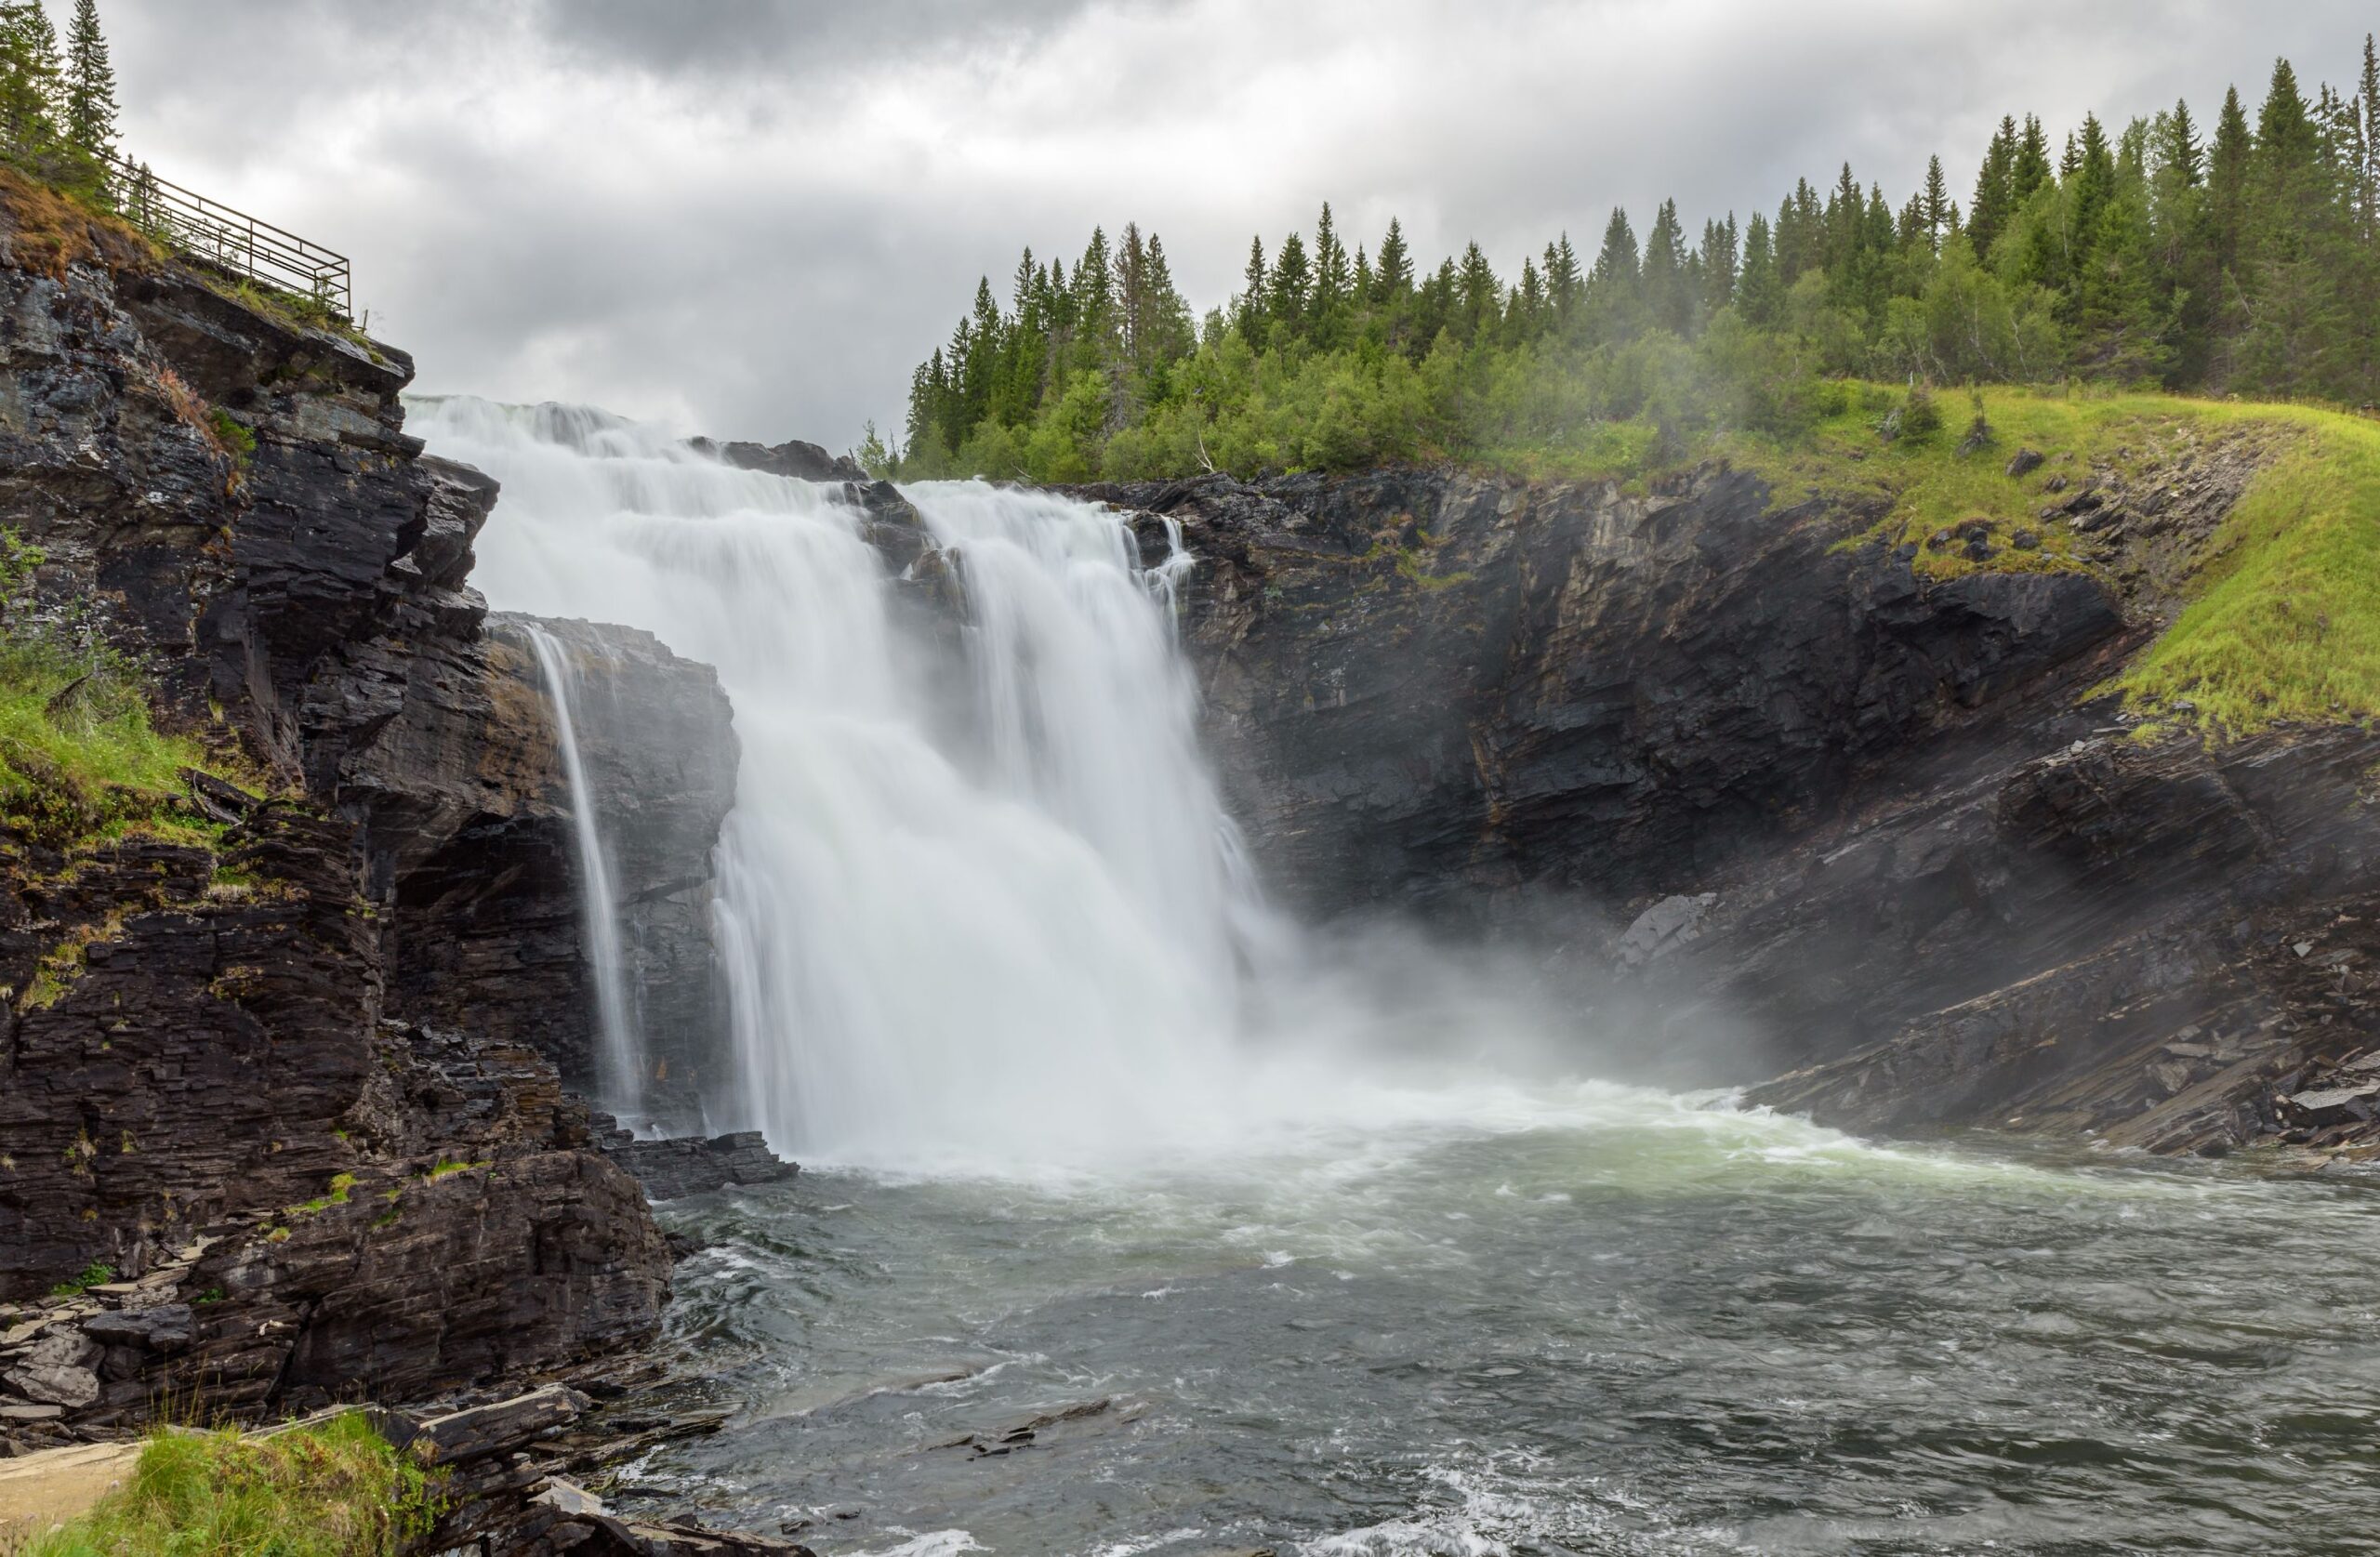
334	1489
2282	620
88	751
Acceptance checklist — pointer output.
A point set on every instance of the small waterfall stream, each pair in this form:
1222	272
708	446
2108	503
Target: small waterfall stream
619	1059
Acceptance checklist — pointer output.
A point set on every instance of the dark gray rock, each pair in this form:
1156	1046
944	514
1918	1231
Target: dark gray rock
208	1090
166	1327
491	920
802	461
672	1169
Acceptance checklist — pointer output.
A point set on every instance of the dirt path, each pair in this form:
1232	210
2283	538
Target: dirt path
40	1490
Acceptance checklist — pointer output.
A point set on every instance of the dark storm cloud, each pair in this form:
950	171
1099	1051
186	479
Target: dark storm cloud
754	217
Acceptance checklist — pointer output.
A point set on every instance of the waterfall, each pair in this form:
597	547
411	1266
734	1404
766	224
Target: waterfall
962	915
619	1057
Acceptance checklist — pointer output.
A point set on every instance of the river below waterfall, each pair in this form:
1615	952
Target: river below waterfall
1139	1219
1567	1320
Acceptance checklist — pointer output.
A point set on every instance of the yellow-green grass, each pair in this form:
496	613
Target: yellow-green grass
1925	486
78	756
2281	614
2283	619
330	1489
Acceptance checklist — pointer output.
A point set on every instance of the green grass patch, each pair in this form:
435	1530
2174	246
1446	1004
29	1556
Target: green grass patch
92	1276
1939	500
2283	622
333	1489
78	754
2281	614
446	1167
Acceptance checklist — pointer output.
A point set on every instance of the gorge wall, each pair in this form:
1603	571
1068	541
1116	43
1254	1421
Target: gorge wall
279	1078
1795	806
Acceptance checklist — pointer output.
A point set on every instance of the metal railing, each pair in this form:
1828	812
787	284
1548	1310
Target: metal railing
208	231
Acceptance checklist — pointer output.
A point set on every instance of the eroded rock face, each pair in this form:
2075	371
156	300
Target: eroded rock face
208	1073
1428	688
1836	819
491	920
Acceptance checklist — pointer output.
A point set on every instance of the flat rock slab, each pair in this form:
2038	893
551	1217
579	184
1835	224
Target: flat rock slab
51	1486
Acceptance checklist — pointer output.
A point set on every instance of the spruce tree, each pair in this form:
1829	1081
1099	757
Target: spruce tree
1617	266
1563	281
1760	293
1292	281
2369	181
2179	151
2030	170
1668	298
1331	280
32	86
90	83
1255	285
1937	203
1479	296
1995	193
1392	275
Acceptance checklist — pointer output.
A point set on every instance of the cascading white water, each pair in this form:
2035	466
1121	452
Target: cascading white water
942	943
619	1057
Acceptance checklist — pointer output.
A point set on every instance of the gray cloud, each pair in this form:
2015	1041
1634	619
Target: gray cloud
753	216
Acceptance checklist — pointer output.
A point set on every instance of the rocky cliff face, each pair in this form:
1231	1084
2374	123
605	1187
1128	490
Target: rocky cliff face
1835	817
491	919
236	1083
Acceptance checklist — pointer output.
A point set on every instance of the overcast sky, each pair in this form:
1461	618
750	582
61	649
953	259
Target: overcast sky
752	217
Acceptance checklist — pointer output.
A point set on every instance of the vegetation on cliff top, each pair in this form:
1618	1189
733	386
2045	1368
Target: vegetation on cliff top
2151	256
2280	614
2284	622
2070	306
331	1489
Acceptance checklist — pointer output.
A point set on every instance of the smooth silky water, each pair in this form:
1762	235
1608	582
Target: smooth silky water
1301	1246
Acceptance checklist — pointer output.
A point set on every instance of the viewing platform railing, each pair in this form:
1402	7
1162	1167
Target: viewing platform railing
208	231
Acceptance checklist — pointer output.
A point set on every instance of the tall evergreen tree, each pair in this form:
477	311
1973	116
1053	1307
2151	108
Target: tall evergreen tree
90	83
2031	169
1332	280
1937	203
1256	284
1617	266
1760	295
2179	151
1669	301
31	84
1995	190
1292	282
1392	275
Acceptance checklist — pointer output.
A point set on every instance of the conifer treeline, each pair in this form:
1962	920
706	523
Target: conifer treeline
2246	261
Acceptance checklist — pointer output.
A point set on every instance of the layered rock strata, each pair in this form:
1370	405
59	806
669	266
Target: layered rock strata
238	1095
1795	803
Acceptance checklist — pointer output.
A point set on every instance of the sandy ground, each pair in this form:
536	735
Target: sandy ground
40	1490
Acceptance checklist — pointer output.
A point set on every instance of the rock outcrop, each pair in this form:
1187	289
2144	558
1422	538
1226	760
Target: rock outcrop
1431	689
1837	818
491	920
676	1166
216	1093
